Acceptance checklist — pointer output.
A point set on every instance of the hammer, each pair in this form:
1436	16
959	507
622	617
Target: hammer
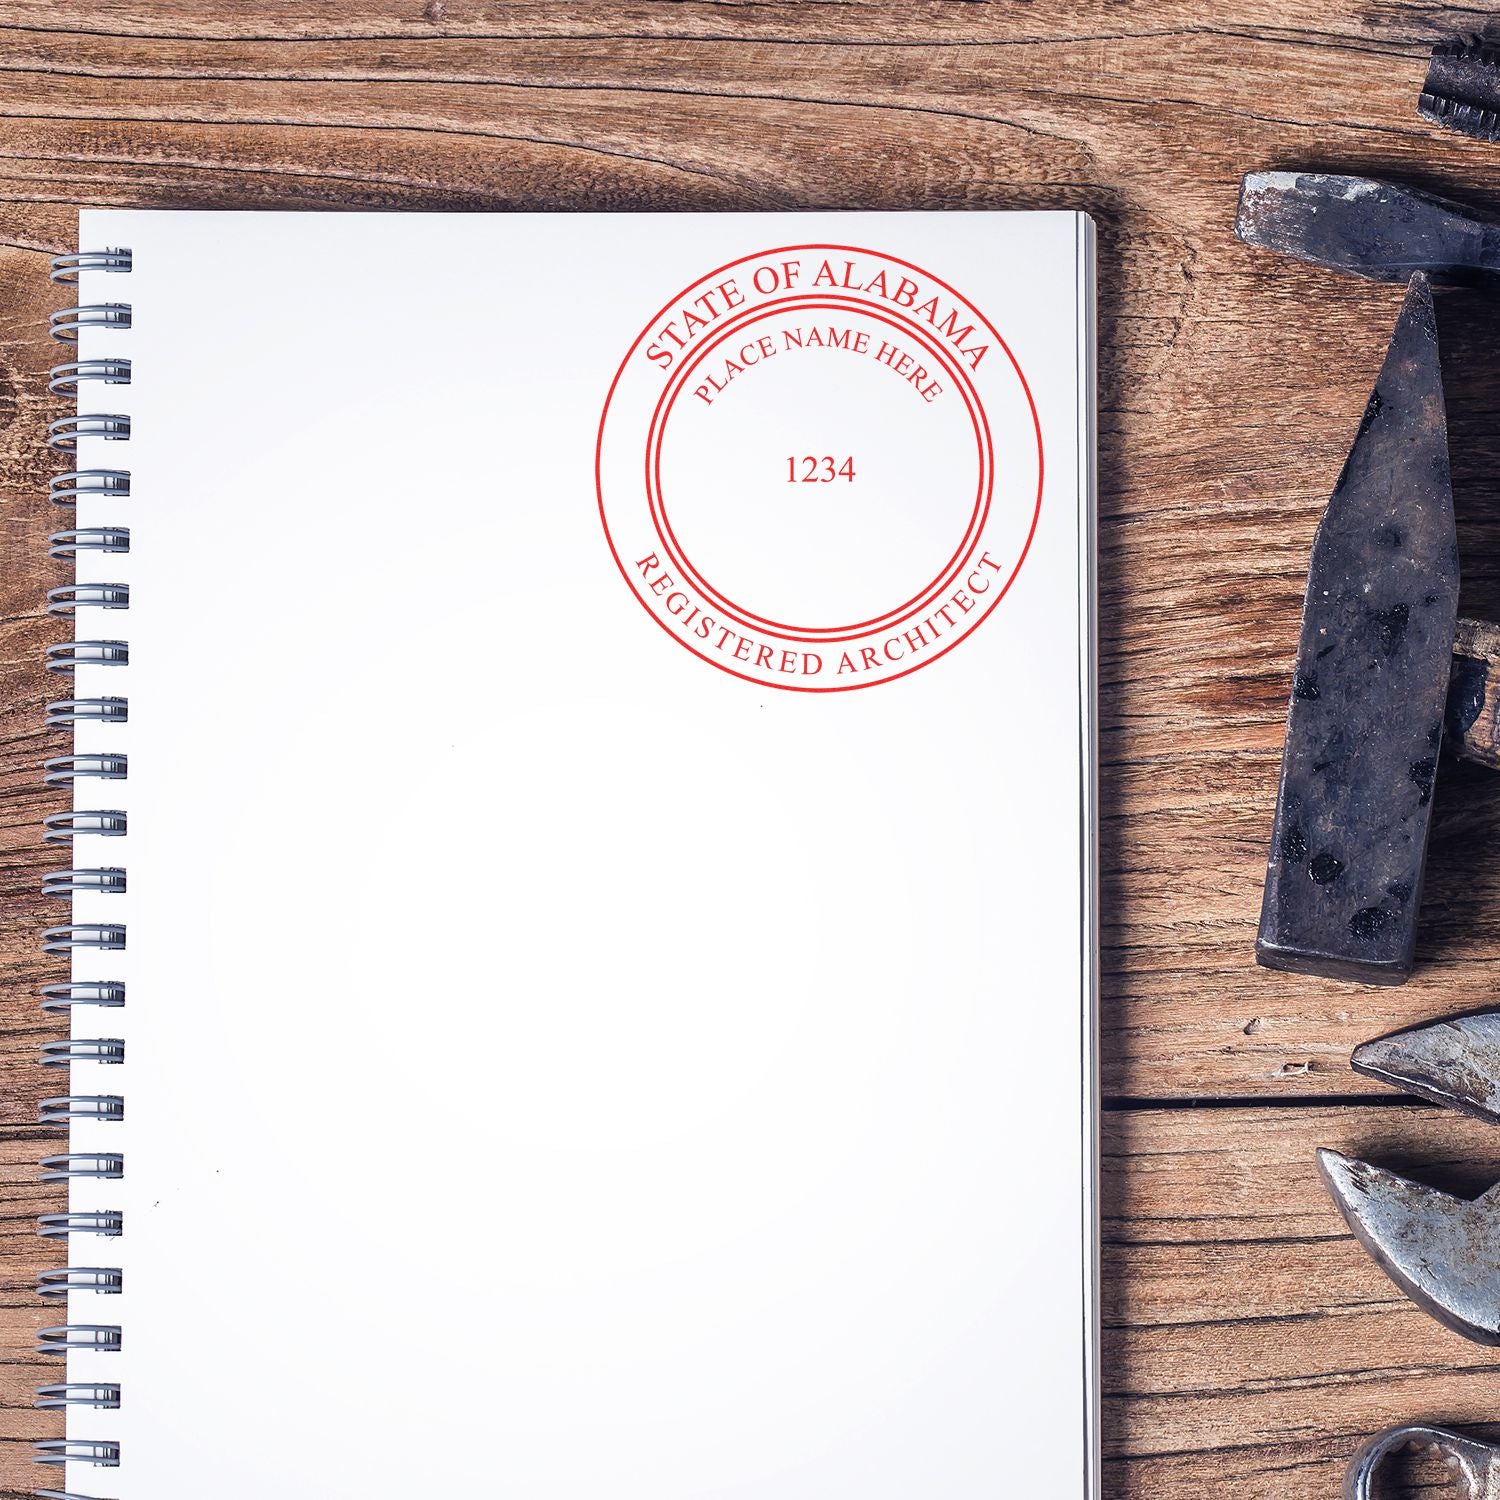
1385	671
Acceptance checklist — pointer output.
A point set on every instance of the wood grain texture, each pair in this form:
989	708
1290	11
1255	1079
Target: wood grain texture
1249	1344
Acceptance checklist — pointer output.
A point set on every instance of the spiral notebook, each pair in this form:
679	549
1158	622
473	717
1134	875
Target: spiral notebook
580	887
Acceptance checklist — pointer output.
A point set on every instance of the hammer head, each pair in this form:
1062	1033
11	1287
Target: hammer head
1442	1251
1365	725
1379	230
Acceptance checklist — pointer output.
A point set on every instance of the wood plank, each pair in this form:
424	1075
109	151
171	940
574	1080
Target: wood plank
1249	1344
22	1255
872	22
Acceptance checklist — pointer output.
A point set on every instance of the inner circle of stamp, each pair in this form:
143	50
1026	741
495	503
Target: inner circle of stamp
742	538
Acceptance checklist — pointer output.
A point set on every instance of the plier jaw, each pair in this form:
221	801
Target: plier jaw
1441	1250
1455	1063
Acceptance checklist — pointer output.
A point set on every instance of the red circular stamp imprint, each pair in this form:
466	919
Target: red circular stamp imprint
819	468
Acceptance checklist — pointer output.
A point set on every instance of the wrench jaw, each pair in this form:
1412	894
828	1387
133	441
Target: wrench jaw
1455	1063
1442	1251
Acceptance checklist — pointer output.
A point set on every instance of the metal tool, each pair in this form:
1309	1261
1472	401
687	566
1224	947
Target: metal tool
1441	1250
1476	1463
1369	693
1462	89
1380	230
1381	683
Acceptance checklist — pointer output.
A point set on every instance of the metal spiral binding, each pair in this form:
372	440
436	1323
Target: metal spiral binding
64	1108
62	713
71	597
61	1226
63	828
63	434
64	770
82	1049
64	656
71	936
107	993
64	489
98	1395
80	1164
79	769
66	545
104	1279
78	1451
78	1336
65	882
65	268
64	380
67	322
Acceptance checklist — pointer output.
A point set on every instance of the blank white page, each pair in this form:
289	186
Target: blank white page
609	962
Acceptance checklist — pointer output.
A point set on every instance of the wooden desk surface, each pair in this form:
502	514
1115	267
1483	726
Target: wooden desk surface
1248	1343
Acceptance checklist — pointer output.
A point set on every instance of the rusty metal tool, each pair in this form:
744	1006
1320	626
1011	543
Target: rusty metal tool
1383	231
1441	1250
1462	88
1476	1463
1369	693
1386	674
